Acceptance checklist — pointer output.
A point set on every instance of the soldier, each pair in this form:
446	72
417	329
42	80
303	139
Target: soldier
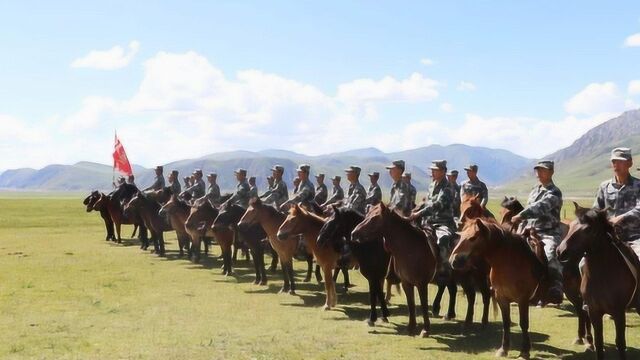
213	190
277	193
305	191
321	190
174	183
197	188
296	184
399	192
187	181
542	214
337	194
241	195
131	180
374	193
406	178
452	178
474	186
269	182
437	211
253	189
621	197
356	195
158	183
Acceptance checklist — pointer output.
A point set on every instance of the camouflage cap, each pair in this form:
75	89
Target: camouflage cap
212	175
336	178
438	165
406	175
396	164
174	172
279	168
621	153
453	173
197	172
374	174
471	167
159	167
353	168
320	175
545	164
240	171
304	168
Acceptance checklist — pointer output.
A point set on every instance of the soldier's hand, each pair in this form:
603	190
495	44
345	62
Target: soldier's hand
615	220
413	216
516	219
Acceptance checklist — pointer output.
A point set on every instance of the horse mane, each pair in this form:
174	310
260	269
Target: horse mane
317	218
347	211
412	229
225	197
512	204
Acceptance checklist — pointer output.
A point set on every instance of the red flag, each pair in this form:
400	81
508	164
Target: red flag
120	160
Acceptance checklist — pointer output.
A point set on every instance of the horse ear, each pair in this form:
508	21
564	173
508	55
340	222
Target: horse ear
335	209
482	228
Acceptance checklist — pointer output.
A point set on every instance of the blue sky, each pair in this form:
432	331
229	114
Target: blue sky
311	77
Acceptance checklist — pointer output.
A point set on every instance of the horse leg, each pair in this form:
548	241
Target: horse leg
621	343
453	290
195	249
228	262
505	311
292	278
524	327
470	293
485	291
596	320
383	303
345	274
256	266
207	244
435	308
274	262
329	288
261	267
423	293
373	296
135	228
118	227
161	243
318	273
285	275
411	304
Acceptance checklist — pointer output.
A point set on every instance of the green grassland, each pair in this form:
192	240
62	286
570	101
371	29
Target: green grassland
65	293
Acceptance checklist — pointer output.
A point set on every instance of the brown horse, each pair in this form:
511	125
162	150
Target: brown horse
198	225
571	278
516	272
177	212
415	256
302	222
610	275
90	202
148	210
270	219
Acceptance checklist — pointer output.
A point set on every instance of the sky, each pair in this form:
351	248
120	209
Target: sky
187	78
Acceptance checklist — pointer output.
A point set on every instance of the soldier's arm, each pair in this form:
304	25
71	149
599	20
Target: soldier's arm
333	199
547	202
443	200
485	195
599	201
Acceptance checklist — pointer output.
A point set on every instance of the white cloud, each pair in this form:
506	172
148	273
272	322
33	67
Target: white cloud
114	58
413	89
596	98
634	87
466	86
632	40
427	61
94	110
446	107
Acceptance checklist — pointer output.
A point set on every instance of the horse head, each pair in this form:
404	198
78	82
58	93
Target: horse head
372	225
588	226
473	241
228	216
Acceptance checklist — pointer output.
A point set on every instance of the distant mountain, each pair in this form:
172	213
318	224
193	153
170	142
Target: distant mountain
583	165
496	167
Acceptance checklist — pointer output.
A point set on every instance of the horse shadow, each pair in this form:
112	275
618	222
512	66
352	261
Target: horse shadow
126	243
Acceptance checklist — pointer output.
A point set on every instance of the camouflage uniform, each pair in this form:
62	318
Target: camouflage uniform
374	195
438	214
241	195
622	200
337	194
253	192
400	198
213	194
542	213
456	199
476	187
321	194
158	184
175	187
197	189
305	193
356	198
277	194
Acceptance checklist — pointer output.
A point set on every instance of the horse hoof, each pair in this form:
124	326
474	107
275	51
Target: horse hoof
256	282
371	323
578	341
385	320
306	280
292	292
326	307
501	353
524	356
263	282
449	317
424	334
589	347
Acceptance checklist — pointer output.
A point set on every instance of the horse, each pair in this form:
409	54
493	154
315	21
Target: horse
516	272
299	221
610	275
371	256
89	202
198	225
114	203
270	219
177	212
414	254
571	278
148	210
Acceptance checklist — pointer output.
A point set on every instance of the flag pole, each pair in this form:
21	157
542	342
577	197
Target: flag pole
113	174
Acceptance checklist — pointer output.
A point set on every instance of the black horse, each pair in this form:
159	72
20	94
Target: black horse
252	236
89	202
371	256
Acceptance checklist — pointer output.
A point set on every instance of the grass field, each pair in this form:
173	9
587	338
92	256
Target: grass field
65	293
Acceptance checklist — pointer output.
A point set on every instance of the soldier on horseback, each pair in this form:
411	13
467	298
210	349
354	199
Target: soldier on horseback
473	186
399	192
158	183
374	193
241	196
321	190
277	193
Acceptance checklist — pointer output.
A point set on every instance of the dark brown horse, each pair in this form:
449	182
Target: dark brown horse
516	272
148	210
270	219
610	275
570	274
372	259
198	225
177	212
415	256
302	222
90	202
114	203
